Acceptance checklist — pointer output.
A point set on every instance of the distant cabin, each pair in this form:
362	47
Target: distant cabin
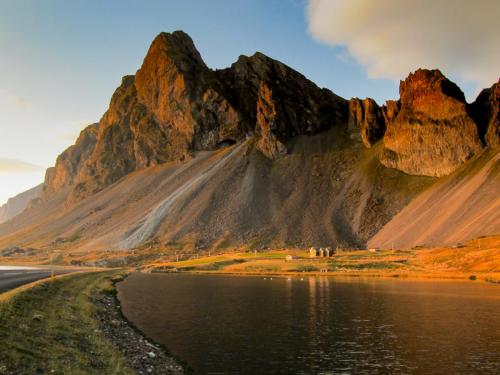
322	252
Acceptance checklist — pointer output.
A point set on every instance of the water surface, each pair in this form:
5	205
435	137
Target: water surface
256	325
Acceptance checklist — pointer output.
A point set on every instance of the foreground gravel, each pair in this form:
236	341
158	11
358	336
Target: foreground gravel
142	356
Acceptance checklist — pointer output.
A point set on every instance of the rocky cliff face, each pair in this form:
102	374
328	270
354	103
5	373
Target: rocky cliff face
71	161
367	117
273	96
430	130
486	112
175	105
432	133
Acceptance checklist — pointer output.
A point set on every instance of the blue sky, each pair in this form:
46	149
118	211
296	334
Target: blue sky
61	60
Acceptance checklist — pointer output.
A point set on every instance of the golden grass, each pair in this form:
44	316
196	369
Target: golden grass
479	258
49	327
4	297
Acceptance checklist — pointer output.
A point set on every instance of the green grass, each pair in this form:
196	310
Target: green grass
335	265
261	268
263	255
219	265
50	329
306	268
199	261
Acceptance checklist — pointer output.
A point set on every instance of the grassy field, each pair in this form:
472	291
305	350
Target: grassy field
477	259
50	329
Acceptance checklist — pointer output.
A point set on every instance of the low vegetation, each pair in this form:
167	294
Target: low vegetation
447	262
51	329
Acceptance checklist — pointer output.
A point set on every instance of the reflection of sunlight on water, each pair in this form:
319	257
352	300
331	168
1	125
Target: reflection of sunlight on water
320	323
289	294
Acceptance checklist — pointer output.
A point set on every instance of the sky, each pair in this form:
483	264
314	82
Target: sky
61	60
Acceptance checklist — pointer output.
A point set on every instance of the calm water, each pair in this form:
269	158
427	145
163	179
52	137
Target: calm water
235	325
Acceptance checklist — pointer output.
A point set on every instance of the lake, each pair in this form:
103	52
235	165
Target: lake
318	325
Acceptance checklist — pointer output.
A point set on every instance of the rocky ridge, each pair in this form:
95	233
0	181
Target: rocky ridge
175	105
430	130
310	167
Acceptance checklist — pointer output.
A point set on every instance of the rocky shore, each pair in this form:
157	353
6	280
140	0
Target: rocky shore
143	356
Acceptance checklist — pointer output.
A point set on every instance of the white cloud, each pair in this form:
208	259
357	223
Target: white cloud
393	37
17	166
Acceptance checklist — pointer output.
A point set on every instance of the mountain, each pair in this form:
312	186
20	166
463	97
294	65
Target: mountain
175	105
254	155
19	203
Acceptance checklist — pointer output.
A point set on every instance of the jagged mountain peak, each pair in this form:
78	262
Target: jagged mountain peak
175	105
422	82
318	184
429	131
432	133
174	42
175	48
431	92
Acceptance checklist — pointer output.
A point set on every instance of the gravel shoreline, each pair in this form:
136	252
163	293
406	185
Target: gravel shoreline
143	356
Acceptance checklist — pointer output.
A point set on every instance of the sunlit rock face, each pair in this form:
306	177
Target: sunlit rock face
430	130
159	115
175	105
432	133
267	116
